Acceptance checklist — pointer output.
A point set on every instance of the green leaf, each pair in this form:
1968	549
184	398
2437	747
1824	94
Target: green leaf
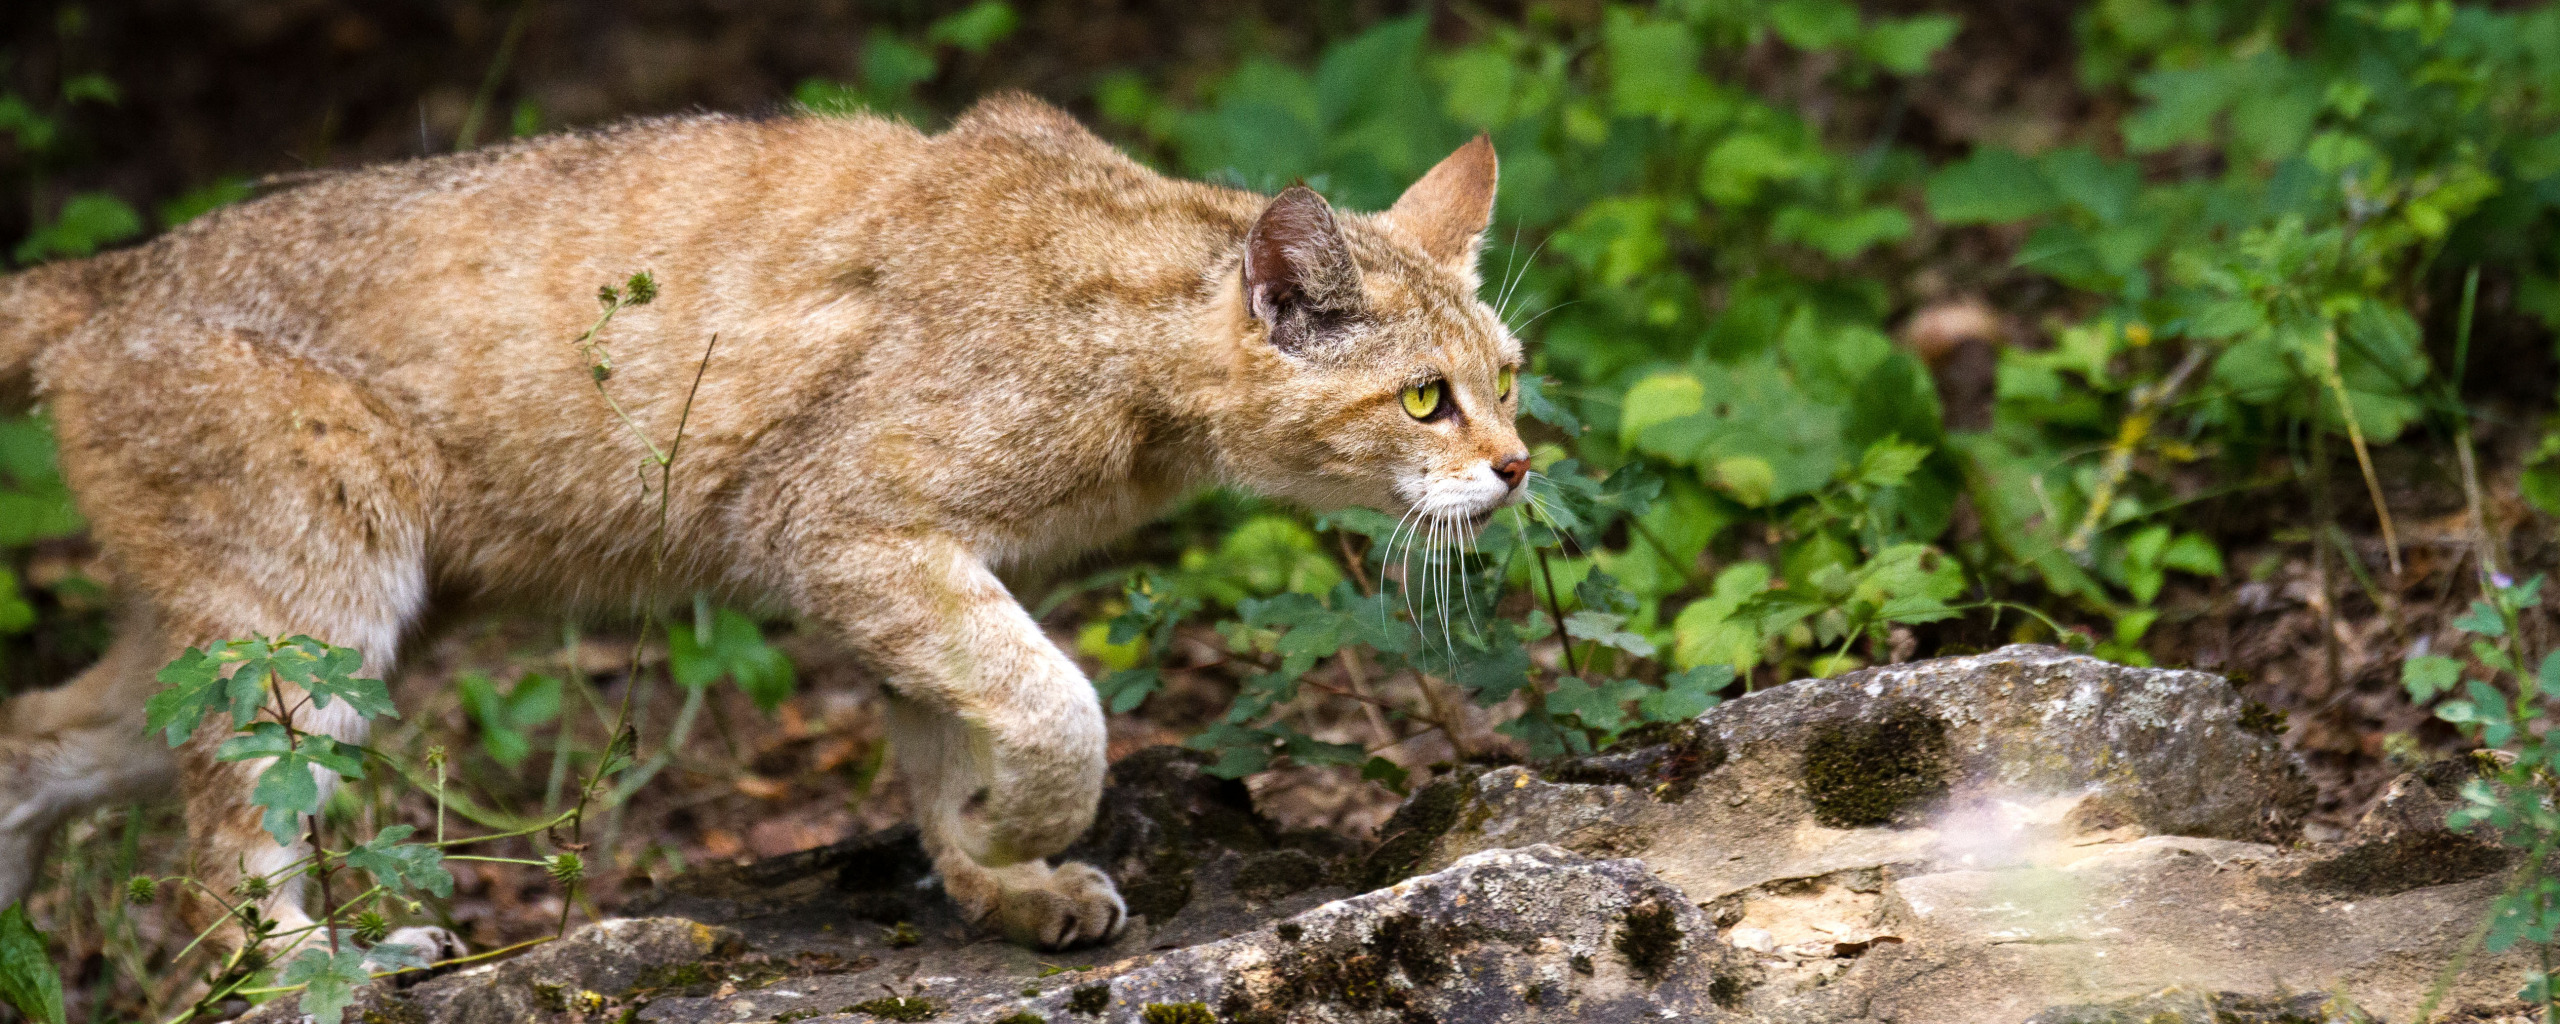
1889	462
981	25
506	720
734	648
1737	167
88	222
1386	773
1651	63
1492	677
2182	105
1814	24
402	866
2483	619
197	684
328	672
328	980
1123	690
1904	45
893	67
197	202
1685	695
2430	676
27	978
1993	186
2192	553
286	787
1714	630
1660	398
1750	479
1841	235
1542	407
1602	628
1601	708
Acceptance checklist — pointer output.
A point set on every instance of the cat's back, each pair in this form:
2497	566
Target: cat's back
502	216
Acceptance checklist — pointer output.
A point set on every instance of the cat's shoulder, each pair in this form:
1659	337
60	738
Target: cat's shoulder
1018	118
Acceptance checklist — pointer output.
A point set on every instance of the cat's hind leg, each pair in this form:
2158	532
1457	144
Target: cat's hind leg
243	491
68	749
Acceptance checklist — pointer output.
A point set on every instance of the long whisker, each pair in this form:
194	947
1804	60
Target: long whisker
1505	306
1466	586
1509	253
1546	511
1524	328
1430	572
1440	538
1387	554
1405	569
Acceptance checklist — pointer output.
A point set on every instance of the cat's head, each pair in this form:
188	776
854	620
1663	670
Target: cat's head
1365	369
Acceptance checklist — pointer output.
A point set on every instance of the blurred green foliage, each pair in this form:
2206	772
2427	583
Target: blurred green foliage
1743	476
1706	279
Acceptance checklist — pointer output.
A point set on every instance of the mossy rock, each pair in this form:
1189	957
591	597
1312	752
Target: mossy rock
1865	773
1409	836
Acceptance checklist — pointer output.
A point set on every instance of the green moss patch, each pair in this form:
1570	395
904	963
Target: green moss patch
1648	940
1415	829
1665	760
2261	719
1177	1013
1862	774
900	1008
1090	1000
1379	972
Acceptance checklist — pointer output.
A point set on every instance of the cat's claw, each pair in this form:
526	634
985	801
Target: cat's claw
1075	905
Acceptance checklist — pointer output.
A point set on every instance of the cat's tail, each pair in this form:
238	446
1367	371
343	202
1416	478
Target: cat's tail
37	308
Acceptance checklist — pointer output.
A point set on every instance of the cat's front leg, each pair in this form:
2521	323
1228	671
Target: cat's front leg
997	734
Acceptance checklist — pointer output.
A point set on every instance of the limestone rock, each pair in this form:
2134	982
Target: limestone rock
2021	836
1938	760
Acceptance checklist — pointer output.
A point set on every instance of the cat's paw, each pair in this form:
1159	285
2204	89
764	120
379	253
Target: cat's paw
432	944
1073	905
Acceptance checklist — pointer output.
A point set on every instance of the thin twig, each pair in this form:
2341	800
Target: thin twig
2355	437
2145	407
2473	507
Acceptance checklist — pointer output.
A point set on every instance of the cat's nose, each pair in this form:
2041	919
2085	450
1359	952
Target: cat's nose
1512	471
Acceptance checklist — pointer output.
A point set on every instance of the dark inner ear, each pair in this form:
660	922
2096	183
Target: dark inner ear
1299	279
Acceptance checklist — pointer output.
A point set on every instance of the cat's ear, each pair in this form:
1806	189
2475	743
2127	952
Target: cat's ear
1447	211
1297	269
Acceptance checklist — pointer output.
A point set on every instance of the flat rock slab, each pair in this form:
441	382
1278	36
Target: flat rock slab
1508	935
1940	760
2023	835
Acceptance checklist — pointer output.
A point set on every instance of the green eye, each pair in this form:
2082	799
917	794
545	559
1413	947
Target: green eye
1421	402
1502	383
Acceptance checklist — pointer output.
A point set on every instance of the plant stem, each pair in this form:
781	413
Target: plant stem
2146	405
320	859
2473	507
1556	609
2355	438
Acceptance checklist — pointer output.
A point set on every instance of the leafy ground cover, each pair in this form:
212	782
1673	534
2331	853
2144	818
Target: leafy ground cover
2211	334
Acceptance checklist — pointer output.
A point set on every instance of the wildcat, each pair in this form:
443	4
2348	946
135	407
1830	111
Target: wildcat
350	409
